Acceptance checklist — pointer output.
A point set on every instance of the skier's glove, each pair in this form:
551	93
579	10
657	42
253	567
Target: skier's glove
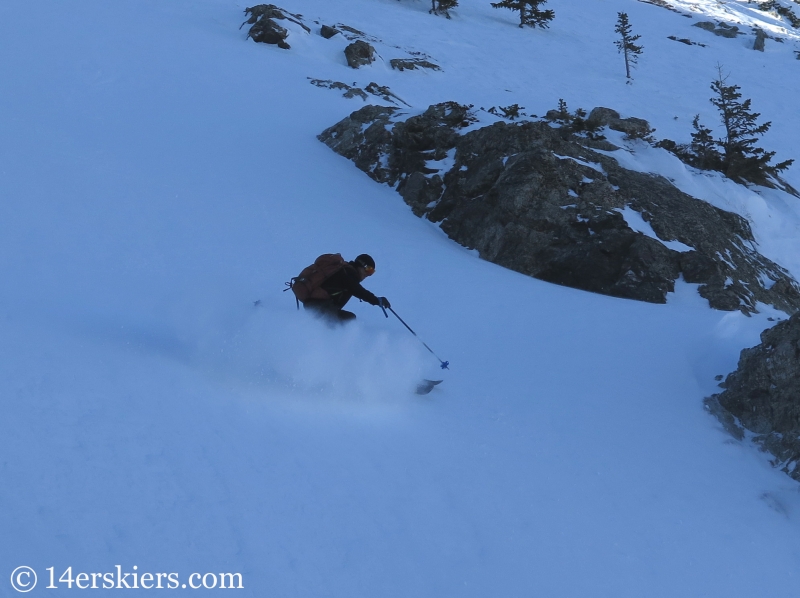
384	303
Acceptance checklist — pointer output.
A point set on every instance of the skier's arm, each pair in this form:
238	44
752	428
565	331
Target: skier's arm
363	294
358	291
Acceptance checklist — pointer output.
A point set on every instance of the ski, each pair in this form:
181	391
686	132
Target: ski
426	386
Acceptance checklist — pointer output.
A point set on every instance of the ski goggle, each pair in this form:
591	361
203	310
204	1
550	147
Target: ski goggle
370	270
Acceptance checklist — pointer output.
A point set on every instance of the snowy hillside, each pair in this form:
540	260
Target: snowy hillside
159	173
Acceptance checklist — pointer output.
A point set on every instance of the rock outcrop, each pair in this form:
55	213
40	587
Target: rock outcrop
686	41
759	42
539	200
634	128
265	30
379	91
763	395
359	54
410	64
328	32
721	29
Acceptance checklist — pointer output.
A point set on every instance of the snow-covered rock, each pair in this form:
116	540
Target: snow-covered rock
763	394
539	200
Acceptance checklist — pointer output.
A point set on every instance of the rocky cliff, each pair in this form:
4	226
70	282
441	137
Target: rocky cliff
553	204
763	395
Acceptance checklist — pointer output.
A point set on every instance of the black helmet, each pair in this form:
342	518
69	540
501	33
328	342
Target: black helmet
365	261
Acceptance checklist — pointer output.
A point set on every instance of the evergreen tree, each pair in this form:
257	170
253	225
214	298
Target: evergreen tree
442	6
529	13
627	43
703	149
741	159
563	110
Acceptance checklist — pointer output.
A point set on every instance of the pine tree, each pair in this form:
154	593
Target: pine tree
442	6
529	13
627	43
741	159
563	110
703	149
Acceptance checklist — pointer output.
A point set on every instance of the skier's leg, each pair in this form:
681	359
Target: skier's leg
320	307
325	308
345	316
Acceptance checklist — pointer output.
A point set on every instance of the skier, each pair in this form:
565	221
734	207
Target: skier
340	286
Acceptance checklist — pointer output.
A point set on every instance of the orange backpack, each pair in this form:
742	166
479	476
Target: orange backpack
306	285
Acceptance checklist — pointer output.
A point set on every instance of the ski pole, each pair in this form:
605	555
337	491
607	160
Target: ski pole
445	364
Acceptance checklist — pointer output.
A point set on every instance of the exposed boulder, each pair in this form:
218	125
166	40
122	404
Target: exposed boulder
763	395
721	29
267	31
534	198
634	128
760	40
359	54
327	31
264	28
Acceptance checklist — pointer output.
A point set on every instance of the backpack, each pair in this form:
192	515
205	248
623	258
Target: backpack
306	285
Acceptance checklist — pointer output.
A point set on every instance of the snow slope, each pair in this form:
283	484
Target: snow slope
158	173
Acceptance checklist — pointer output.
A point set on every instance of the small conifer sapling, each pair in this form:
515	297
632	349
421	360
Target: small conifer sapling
741	159
442	7
529	12
563	110
626	44
704	153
